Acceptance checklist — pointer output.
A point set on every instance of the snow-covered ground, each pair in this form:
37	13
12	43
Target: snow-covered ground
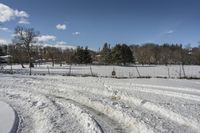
8	118
94	104
155	71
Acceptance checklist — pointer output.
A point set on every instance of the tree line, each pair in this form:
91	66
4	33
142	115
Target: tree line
24	50
151	53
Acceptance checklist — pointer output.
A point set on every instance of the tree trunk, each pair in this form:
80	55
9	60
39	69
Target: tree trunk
22	65
52	62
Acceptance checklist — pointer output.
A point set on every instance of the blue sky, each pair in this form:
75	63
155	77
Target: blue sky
94	22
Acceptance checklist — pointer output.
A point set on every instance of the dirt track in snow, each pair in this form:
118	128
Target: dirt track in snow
77	104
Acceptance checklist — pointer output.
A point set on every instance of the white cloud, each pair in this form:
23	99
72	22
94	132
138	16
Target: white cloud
5	29
46	38
61	43
61	26
57	45
170	32
21	14
2	41
76	33
7	13
23	21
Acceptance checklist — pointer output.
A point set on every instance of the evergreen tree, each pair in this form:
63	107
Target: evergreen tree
87	56
106	56
82	56
117	54
122	54
127	56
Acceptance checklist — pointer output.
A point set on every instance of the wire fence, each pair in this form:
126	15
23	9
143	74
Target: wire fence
135	71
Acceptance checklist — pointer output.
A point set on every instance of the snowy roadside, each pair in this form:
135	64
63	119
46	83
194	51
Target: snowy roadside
90	104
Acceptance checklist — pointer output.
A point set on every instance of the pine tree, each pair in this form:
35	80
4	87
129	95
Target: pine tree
117	54
106	54
87	56
82	56
127	56
122	54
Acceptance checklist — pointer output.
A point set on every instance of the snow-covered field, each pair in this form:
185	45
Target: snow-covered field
155	71
93	104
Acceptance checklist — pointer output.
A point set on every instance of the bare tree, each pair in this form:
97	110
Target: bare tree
26	37
19	54
196	55
51	54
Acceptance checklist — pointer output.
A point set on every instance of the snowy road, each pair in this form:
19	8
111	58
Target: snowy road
88	104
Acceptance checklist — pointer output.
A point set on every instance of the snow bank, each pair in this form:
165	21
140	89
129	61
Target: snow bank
8	118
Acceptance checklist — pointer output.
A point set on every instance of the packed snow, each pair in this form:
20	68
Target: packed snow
8	121
95	105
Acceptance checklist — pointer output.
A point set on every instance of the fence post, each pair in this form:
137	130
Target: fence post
129	75
11	69
70	69
91	70
180	72
48	70
168	71
183	71
138	71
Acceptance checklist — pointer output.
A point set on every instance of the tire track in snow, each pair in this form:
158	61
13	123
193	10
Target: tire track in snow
175	89
107	124
130	123
49	114
162	90
123	96
27	108
116	130
152	107
169	93
181	120
113	124
81	116
131	85
164	112
168	114
114	113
